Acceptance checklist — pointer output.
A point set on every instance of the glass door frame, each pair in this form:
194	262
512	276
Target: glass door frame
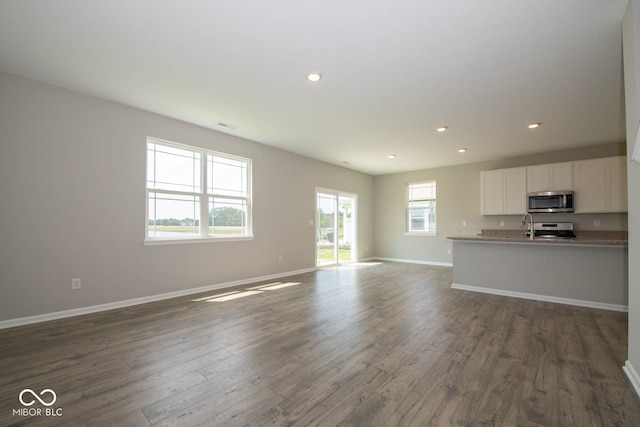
337	226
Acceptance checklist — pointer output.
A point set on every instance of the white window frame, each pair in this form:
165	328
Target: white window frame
409	209
203	195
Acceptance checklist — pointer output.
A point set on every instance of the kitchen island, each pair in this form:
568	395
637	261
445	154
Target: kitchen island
590	270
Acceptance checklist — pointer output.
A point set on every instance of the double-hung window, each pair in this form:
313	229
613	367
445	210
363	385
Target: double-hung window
196	194
421	208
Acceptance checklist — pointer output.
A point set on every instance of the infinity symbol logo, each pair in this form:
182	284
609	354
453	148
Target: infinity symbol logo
33	393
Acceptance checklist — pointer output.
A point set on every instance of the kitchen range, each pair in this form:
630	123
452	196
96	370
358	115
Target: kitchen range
551	230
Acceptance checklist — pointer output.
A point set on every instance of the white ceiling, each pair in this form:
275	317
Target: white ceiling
394	70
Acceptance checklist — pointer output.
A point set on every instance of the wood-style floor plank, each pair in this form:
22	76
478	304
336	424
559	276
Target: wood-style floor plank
369	344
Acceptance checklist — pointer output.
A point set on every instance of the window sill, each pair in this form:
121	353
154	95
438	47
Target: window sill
420	233
154	242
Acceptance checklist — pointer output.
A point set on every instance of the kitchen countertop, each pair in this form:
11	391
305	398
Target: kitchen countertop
587	237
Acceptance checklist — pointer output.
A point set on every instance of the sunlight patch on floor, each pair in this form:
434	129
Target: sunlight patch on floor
280	286
215	296
264	286
366	264
234	296
351	265
230	296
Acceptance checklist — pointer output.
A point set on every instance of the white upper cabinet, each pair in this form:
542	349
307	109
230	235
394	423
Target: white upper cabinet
550	177
503	191
617	184
515	185
588	177
492	192
600	185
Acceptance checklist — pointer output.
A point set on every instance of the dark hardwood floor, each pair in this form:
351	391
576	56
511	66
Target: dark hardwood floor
373	344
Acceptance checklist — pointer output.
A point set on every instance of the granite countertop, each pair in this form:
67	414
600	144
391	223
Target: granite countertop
586	237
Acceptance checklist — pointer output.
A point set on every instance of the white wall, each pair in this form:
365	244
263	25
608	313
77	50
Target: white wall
458	200
631	45
72	204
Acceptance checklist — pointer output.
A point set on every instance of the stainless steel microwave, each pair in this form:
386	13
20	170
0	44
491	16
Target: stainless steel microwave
550	201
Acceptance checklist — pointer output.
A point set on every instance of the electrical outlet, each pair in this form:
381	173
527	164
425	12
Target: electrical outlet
596	222
501	223
465	223
75	283
449	251
280	258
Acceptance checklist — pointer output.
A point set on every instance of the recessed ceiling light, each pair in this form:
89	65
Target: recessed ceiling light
534	125
391	156
462	150
314	77
442	128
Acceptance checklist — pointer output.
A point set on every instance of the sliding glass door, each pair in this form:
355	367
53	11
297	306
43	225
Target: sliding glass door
335	227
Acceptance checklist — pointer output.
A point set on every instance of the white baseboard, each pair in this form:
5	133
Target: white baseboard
633	376
546	298
143	300
415	261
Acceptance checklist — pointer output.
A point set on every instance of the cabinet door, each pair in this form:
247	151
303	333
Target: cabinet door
616	182
601	185
538	178
504	191
515	191
589	181
550	177
492	192
561	176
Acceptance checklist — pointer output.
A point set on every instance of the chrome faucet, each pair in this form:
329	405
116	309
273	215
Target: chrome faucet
530	227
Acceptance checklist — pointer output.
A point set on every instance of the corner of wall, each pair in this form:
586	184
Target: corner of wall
633	376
